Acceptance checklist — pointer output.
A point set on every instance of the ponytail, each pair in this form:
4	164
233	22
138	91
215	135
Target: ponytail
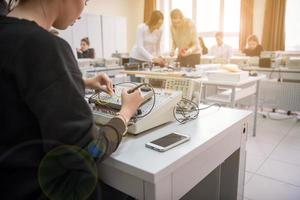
3	7
8	5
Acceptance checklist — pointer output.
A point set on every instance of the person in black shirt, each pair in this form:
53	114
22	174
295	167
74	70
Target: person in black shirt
49	144
253	47
85	51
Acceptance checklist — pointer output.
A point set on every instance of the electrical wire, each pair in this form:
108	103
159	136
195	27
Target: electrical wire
185	108
154	98
153	105
188	111
96	99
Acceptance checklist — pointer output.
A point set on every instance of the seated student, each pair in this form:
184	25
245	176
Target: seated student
220	50
253	47
148	39
185	40
202	45
85	51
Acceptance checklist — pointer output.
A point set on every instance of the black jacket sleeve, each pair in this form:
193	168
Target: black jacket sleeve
80	55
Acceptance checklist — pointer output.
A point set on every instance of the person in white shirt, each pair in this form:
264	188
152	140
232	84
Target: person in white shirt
221	50
147	46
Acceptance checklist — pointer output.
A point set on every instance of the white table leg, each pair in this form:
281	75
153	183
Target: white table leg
205	93
256	108
232	98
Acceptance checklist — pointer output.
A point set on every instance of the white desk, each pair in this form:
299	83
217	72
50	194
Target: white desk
239	90
236	92
146	174
277	73
281	89
280	69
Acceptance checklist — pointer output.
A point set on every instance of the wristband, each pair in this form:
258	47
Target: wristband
119	115
123	119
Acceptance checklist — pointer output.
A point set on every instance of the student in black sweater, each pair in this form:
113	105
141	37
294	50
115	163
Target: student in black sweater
49	144
253	47
85	51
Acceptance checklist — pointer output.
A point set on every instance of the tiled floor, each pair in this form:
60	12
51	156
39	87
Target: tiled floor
273	161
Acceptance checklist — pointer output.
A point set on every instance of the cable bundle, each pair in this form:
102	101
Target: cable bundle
187	110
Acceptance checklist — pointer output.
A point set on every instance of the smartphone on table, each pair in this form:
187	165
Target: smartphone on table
167	142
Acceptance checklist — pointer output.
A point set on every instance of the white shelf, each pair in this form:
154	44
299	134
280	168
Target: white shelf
225	97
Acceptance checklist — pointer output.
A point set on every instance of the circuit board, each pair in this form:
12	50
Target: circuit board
156	110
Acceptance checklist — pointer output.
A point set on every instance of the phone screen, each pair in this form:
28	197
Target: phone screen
168	140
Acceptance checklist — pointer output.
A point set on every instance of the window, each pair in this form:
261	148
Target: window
292	40
209	16
232	13
186	6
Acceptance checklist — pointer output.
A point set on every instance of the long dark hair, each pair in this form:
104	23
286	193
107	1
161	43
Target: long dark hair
155	17
3	7
8	5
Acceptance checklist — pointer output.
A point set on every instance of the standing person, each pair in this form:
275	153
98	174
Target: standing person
148	41
221	50
202	45
49	142
253	47
185	40
85	51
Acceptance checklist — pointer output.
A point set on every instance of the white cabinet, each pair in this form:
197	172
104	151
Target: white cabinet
80	30
121	37
94	29
114	35
107	34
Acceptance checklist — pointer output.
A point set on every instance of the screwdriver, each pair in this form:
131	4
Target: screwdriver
135	88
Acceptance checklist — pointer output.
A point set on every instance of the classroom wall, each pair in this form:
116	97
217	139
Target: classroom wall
133	10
